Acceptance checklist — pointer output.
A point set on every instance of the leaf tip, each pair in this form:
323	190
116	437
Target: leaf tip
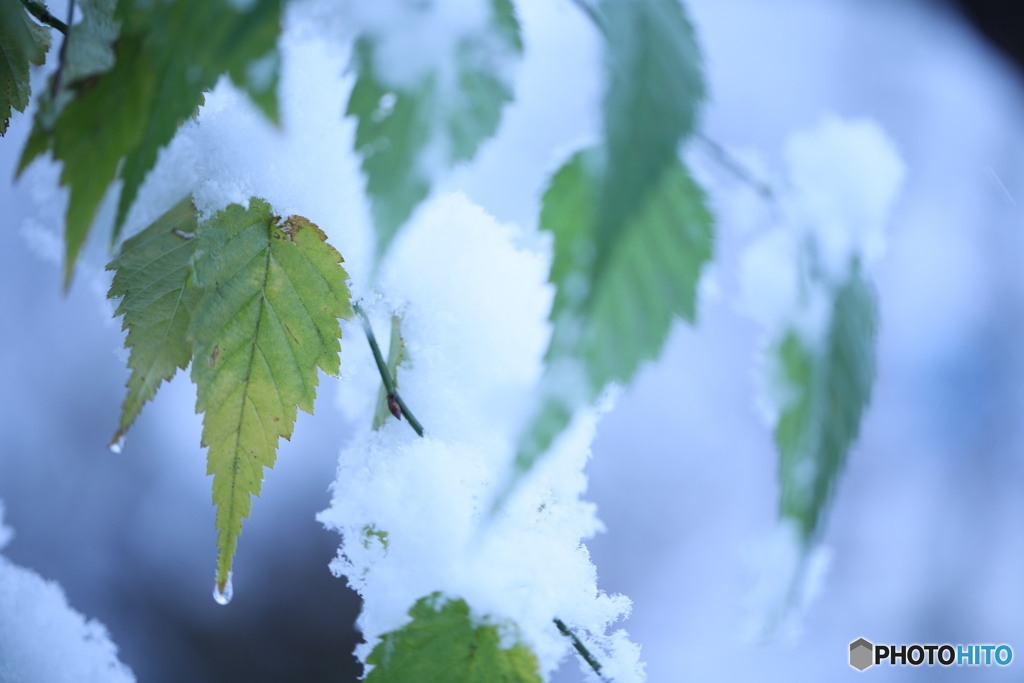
223	591
116	444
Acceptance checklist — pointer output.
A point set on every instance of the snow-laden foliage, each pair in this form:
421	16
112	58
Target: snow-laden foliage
42	638
820	322
503	350
413	512
417	118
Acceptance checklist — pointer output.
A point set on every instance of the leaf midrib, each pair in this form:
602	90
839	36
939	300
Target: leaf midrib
245	390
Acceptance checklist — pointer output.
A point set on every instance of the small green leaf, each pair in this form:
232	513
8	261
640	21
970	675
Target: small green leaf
444	643
828	389
267	318
168	54
22	42
371	531
151	278
655	87
608	321
407	134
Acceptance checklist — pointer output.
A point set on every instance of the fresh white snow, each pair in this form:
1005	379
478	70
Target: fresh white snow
44	639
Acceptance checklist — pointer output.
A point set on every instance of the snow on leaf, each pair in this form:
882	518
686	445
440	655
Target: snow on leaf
614	302
266	319
22	42
406	134
444	643
120	119
829	388
151	278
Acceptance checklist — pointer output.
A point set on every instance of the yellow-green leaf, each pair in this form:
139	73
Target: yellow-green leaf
272	292
151	278
443	642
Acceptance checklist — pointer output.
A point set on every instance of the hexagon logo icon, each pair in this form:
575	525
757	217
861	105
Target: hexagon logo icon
862	654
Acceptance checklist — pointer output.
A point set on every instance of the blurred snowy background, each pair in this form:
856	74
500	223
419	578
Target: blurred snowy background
925	534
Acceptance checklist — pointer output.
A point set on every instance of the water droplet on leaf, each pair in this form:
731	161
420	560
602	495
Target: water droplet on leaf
117	445
223	597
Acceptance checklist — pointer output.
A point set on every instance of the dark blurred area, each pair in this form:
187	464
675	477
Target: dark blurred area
1001	22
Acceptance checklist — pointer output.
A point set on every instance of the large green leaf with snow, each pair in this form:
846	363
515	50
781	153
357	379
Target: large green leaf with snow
609	319
151	279
22	43
655	87
827	386
408	132
444	642
272	292
168	54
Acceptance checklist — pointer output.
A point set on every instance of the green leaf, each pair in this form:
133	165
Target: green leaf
655	87
444	643
828	389
90	50
405	134
22	42
151	278
606	322
267	318
371	531
168	54
89	53
630	226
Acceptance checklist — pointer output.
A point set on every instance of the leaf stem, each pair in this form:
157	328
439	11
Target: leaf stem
386	407
40	12
385	374
580	648
716	151
734	166
57	76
